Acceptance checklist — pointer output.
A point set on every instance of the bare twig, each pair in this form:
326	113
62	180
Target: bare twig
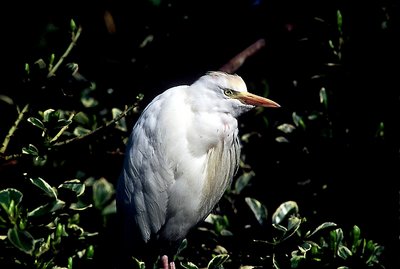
13	129
236	62
62	130
120	116
75	37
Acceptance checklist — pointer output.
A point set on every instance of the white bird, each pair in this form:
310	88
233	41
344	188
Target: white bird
182	155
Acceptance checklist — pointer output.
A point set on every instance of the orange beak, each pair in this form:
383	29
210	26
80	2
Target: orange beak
255	100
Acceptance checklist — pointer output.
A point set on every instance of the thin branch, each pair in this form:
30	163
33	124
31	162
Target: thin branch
13	129
75	37
120	116
236	62
62	129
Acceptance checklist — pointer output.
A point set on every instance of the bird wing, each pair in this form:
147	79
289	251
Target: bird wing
142	194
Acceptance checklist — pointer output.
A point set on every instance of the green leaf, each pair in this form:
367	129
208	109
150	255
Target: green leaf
323	97
217	261
52	58
43	185
189	265
259	210
74	185
90	252
72	25
80	131
293	226
323	226
243	181
6	99
36	122
44	246
355	234
70	262
298	121
30	150
102	192
343	252
8	195
286	128
182	246
111	208
47	208
27	69
62	123
121	124
281	139
284	211
79	206
21	240
139	264
81	118
339	20
50	114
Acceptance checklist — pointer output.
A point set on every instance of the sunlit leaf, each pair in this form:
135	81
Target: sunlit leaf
81	118
298	121
243	181
343	252
355	234
72	25
323	97
74	185
102	192
139	264
284	211
259	210
79	206
111	208
43	185
217	261
182	246
62	123
50	114
323	226
121	124
89	101
47	208
189	265
36	122
6	99
305	246
30	150
281	139
22	240
286	128
339	20
8	195
293	226
44	246
80	131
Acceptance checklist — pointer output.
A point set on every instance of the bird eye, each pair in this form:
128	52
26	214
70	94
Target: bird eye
228	92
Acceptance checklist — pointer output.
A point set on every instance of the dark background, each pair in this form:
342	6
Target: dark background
350	179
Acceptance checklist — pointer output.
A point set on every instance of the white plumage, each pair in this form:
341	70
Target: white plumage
182	155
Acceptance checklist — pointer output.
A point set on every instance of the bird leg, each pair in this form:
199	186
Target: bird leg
166	265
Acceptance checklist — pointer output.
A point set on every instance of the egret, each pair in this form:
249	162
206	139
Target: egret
181	156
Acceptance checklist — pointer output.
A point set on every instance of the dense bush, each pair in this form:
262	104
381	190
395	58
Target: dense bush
64	130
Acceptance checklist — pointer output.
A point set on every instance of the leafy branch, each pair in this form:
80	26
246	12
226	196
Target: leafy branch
13	129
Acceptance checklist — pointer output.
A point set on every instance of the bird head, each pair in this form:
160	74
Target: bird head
228	93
